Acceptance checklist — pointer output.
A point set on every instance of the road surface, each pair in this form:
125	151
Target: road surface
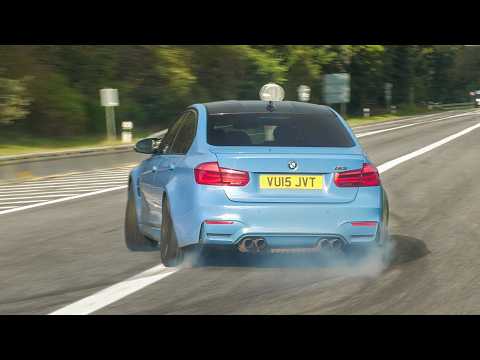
64	253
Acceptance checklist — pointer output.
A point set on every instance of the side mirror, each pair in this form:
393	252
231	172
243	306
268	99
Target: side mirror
147	146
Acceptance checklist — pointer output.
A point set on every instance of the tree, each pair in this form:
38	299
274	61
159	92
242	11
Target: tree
14	100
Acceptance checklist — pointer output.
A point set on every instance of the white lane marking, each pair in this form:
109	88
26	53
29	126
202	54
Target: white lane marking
6	207
22	202
410	125
76	178
393	163
403	120
50	191
33	197
39	186
116	292
22	208
87	174
70	188
66	182
69	191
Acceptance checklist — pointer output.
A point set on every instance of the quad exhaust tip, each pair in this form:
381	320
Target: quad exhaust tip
331	244
253	245
260	245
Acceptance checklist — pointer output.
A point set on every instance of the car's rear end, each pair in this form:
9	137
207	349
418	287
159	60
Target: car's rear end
294	178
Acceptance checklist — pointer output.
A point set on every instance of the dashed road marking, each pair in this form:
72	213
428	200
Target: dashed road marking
52	190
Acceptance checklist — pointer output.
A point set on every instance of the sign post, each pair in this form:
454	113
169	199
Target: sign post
109	100
337	90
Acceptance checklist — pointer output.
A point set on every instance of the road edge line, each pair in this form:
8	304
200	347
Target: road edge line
116	292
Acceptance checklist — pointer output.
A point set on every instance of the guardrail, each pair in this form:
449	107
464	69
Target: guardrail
454	106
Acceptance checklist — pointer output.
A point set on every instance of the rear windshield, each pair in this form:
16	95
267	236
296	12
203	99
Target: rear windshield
280	130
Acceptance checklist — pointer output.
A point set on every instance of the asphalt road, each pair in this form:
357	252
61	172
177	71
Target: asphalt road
72	252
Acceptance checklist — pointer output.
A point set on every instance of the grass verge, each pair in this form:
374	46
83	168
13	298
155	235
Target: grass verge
14	143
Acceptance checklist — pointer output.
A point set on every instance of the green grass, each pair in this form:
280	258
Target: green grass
14	143
357	121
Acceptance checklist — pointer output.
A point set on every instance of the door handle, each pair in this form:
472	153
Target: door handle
171	167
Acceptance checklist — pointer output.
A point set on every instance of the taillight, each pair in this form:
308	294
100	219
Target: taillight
367	176
364	223
212	174
218	222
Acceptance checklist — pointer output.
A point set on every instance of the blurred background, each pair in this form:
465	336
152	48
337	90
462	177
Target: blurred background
49	94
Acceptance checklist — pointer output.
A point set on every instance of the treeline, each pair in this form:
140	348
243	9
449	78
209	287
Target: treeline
54	89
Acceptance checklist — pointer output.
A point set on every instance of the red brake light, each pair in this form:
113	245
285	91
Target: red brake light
212	174
218	222
365	223
367	176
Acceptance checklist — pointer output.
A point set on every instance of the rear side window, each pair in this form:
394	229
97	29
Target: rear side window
185	137
167	141
277	130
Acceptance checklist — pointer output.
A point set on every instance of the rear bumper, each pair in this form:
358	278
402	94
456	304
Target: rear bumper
299	228
287	225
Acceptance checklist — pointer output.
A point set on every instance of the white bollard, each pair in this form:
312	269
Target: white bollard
126	137
127	127
366	112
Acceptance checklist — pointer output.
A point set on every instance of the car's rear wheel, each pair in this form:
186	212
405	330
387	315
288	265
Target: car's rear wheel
171	254
134	239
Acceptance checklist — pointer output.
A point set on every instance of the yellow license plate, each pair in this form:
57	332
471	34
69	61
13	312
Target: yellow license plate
293	182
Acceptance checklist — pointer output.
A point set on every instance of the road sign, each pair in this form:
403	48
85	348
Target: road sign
109	97
337	88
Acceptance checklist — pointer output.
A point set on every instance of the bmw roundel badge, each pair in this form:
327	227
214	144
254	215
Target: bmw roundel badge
292	165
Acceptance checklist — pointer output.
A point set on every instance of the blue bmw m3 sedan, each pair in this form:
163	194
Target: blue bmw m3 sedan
255	177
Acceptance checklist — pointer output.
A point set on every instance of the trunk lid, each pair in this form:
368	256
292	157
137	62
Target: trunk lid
259	161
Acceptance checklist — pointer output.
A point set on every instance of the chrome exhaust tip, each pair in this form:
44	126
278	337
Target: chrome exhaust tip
324	244
337	244
249	244
261	245
253	245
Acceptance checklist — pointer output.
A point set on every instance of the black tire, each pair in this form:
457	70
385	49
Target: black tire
171	254
135	240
